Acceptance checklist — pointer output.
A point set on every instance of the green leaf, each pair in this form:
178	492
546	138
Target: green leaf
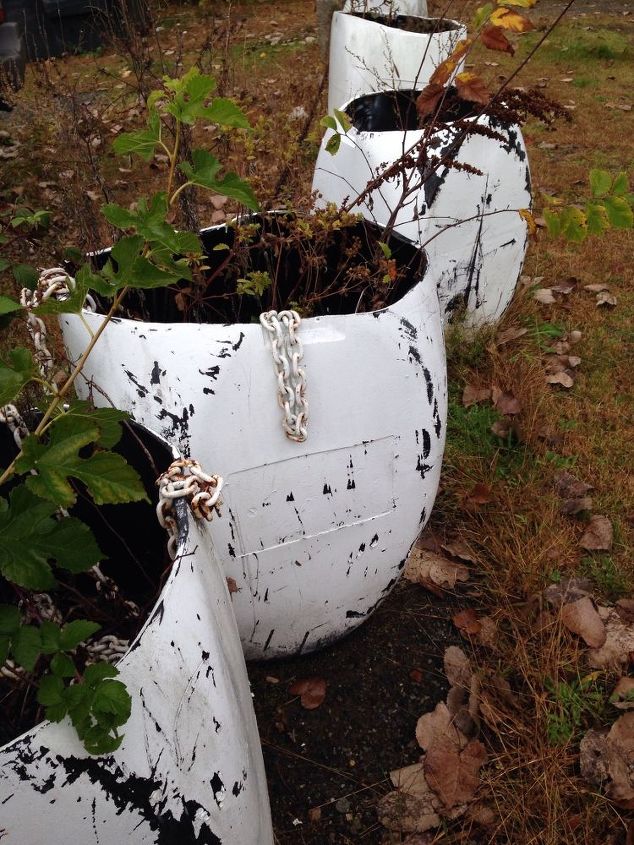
8	305
225	112
97	741
63	666
204	173
334	142
113	698
574	226
553	223
344	120
482	14
4	264
600	182
74	633
621	185
619	212
97	672
149	221
597	218
30	537
50	691
385	249
107	476
4	648
49	637
25	276
75	301
9	619
328	122
141	142
107	419
17	373
26	646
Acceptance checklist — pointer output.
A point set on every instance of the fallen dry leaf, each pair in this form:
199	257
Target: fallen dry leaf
473	395
481	814
560	378
619	643
607	760
502	428
466	621
494	38
506	403
488	635
571	507
453	774
411	779
569	487
481	494
510	334
314	814
545	296
596	288
567	590
424	567
438	723
406	813
575	336
623	694
598	535
625	609
312	692
459	549
429	98
606	298
457	667
582	618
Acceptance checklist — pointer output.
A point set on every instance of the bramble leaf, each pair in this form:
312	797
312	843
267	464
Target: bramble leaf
600	183
16	374
334	142
74	633
106	475
141	142
9	619
25	646
8	305
204	173
619	212
30	537
63	666
597	218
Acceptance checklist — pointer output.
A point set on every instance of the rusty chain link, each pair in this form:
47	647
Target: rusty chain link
186	479
288	353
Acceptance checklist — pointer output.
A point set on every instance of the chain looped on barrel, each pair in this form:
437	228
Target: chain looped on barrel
11	417
56	284
287	351
186	479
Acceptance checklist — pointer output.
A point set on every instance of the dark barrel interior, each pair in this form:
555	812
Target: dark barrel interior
327	270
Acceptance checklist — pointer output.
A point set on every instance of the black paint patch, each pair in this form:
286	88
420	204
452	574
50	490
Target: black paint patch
155	376
290	498
327	491
426	444
421	467
140	389
268	639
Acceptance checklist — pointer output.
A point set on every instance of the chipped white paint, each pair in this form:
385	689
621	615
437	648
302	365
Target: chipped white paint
477	263
190	766
315	534
367	56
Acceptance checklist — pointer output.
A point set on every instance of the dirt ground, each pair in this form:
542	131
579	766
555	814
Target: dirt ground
336	758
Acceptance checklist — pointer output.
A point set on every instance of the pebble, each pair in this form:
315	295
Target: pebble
342	805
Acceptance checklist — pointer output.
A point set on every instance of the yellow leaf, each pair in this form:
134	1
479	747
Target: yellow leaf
524	4
527	215
441	74
508	19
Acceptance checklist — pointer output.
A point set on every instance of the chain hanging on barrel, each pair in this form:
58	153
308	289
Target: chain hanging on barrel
52	284
186	479
287	351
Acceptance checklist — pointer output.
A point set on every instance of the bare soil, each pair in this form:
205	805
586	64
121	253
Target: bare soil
335	760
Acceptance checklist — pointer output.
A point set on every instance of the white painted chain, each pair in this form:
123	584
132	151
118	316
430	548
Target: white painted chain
57	284
11	417
287	351
108	648
186	479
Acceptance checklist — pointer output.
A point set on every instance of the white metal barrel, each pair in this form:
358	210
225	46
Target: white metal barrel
190	766
467	222
315	534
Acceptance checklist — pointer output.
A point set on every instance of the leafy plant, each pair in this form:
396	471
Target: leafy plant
69	451
571	705
611	206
